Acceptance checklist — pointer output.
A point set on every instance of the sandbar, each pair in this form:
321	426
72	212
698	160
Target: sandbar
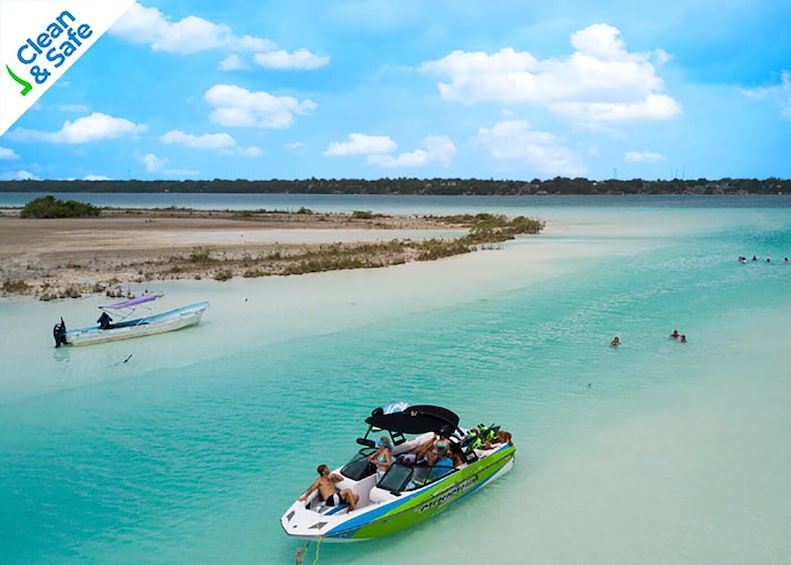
57	258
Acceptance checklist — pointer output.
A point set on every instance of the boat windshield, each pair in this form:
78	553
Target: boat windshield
405	477
359	467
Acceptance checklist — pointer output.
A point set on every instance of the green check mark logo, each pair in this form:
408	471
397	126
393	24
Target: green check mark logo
26	86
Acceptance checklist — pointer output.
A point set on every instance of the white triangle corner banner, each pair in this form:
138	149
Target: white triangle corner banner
40	40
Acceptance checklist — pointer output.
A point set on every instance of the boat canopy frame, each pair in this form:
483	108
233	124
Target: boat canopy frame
127	308
417	419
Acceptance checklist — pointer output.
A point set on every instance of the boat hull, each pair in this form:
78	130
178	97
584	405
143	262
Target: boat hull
150	325
386	518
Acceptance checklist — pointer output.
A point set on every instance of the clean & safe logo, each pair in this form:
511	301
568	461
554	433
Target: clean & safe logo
40	40
59	39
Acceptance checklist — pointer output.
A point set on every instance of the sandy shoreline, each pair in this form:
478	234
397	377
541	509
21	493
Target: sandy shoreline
55	258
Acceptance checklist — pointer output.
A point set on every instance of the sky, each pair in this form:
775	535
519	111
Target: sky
203	89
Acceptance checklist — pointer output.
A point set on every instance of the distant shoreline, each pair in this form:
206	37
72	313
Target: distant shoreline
415	186
69	258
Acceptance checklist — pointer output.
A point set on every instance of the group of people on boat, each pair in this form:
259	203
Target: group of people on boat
435	452
439	453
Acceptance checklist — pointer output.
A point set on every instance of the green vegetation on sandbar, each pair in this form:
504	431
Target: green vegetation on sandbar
493	228
51	207
483	229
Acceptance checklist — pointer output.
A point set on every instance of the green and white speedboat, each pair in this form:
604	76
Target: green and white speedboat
407	493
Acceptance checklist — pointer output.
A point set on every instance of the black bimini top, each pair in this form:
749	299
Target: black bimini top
415	420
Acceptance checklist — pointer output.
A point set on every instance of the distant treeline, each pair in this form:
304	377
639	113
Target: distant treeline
438	186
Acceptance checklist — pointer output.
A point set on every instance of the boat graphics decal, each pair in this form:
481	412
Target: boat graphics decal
447	495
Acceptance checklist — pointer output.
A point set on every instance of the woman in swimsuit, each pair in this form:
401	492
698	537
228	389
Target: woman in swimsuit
381	457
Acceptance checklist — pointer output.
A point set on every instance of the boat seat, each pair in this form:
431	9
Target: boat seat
378	495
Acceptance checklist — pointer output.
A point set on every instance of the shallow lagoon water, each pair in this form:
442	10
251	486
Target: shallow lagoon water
652	452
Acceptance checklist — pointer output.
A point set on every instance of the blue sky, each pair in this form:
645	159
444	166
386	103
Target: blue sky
201	89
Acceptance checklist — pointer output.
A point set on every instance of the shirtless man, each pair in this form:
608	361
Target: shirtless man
328	492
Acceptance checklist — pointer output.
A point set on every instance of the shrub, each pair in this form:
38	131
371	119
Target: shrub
51	207
15	285
199	255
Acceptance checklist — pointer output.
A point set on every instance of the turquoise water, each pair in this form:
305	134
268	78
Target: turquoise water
654	452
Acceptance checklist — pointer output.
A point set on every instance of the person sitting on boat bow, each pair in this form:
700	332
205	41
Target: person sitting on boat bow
381	457
329	492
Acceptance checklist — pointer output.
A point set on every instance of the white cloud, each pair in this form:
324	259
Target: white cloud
96	177
89	129
237	106
360	144
251	151
780	93
221	142
18	175
188	35
8	154
643	156
416	158
250	43
233	63
600	81
301	59
206	141
514	142
439	149
152	163
294	146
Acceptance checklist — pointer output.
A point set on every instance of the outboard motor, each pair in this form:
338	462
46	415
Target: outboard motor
59	333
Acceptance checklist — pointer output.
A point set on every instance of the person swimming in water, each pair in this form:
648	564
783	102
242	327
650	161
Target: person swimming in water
675	334
615	341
